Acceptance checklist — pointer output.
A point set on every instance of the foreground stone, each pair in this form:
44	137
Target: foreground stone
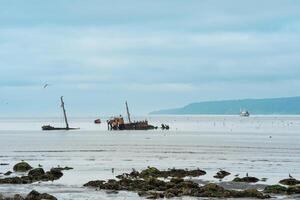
147	183
275	189
278	189
293	190
22	167
33	195
289	181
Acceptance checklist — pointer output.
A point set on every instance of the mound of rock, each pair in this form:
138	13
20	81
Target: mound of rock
221	174
247	179
278	189
34	175
275	189
33	195
22	167
154	172
289	181
293	190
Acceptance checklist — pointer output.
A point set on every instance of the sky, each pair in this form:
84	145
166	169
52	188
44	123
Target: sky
155	54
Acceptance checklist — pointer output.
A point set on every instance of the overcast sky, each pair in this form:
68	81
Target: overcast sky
155	54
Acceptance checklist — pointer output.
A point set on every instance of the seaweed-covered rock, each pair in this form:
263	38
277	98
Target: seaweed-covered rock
152	188
34	175
221	174
34	195
213	190
15	197
250	193
150	171
247	179
97	183
36	172
22	167
289	181
275	189
56	173
293	190
179	173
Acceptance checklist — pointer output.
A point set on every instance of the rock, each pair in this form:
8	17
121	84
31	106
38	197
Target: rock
152	188
34	195
289	181
7	173
2	164
150	171
36	172
275	189
179	173
22	167
221	174
56	173
247	179
293	190
97	183
64	168
34	175
176	180
250	193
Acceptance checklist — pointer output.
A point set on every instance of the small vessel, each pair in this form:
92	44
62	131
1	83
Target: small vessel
117	123
244	113
50	128
97	121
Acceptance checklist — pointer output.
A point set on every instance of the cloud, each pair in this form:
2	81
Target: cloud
184	51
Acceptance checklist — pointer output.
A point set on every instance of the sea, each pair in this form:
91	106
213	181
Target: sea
262	146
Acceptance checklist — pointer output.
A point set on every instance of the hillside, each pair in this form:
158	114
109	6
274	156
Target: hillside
279	106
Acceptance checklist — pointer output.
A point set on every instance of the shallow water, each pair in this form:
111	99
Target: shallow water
262	146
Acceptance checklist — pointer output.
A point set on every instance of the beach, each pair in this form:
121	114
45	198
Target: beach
262	146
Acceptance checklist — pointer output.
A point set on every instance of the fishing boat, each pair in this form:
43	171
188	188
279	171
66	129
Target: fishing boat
117	123
51	128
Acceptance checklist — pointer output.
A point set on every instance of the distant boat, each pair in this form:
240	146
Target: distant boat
244	113
50	128
97	121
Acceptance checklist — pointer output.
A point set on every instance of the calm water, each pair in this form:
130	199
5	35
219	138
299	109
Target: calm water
265	147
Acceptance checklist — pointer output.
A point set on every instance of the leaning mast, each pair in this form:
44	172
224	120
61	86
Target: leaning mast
128	114
64	110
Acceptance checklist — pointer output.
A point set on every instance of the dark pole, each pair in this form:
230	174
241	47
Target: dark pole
64	110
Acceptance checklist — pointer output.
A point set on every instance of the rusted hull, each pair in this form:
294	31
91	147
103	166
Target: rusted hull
133	126
51	128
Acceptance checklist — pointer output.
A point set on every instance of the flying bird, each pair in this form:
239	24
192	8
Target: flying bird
46	85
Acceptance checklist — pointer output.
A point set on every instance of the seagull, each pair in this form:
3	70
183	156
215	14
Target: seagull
236	175
46	85
291	176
